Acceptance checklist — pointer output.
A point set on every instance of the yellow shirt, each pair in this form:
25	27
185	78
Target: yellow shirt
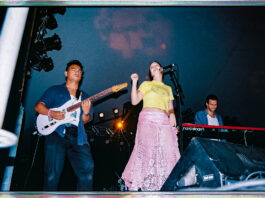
156	94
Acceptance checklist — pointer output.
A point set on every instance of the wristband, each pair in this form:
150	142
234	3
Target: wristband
49	117
49	112
86	114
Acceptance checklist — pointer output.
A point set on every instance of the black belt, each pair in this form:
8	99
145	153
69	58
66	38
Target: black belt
72	131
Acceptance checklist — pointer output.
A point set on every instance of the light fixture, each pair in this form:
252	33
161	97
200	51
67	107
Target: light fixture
46	64
116	112
52	10
35	59
101	116
50	21
52	43
38	58
119	125
40	61
47	44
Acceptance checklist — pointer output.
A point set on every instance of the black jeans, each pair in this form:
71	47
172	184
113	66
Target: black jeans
56	149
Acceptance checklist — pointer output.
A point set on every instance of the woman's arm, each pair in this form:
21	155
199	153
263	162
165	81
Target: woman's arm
136	96
172	117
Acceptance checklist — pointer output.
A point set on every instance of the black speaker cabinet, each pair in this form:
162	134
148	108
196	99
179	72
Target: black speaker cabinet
211	163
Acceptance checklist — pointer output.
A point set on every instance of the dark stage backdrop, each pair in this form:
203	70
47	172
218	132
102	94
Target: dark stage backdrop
218	50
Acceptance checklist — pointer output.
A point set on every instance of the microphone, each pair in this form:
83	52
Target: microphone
166	67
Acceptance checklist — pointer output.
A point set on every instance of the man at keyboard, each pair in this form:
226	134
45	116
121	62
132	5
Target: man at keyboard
208	116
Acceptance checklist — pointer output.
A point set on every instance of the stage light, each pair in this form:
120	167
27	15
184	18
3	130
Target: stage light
116	112
50	21
38	58
46	64
52	43
119	125
101	116
52	10
34	60
40	61
46	20
48	44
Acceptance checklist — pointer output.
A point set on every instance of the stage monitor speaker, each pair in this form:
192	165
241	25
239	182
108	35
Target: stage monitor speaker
211	163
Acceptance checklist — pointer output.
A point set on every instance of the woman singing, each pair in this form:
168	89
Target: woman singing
155	152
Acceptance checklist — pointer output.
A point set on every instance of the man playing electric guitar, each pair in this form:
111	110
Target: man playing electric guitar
68	139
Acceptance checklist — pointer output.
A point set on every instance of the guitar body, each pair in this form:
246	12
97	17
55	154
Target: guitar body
46	126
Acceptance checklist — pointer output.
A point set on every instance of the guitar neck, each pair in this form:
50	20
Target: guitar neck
92	98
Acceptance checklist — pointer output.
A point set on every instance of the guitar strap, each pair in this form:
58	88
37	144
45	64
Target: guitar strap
77	94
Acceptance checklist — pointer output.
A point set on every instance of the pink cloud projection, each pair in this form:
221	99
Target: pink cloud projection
130	30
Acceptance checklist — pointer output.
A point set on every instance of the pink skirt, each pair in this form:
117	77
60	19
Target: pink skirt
154	155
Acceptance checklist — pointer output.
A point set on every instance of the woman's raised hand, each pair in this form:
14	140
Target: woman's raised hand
134	77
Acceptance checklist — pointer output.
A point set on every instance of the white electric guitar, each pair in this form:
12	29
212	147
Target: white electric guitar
46	125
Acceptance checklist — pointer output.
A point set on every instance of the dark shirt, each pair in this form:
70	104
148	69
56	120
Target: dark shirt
201	118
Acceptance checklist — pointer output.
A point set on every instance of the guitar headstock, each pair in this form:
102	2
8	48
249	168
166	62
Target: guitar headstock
117	88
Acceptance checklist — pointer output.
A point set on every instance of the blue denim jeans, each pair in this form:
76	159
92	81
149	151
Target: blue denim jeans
56	149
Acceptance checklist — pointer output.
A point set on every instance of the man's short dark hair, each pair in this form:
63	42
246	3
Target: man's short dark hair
211	97
74	62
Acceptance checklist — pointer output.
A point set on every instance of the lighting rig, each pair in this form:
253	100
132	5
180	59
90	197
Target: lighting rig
116	132
38	59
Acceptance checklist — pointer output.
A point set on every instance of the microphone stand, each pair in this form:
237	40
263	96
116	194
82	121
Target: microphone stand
179	102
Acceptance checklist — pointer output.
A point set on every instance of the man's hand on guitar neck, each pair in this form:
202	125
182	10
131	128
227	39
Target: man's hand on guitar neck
86	106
